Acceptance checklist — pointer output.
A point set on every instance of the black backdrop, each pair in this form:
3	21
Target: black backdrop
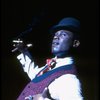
17	16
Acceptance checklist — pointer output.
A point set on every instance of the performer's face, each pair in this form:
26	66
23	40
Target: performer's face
62	41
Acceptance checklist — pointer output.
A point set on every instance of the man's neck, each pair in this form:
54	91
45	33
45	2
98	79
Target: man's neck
62	55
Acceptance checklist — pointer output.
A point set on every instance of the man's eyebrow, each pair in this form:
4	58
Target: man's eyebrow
64	32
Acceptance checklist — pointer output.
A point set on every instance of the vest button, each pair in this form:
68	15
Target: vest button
23	93
28	86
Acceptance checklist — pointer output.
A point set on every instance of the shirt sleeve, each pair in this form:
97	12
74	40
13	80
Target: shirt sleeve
66	87
28	64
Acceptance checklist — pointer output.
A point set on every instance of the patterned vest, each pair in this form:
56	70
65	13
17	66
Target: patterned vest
38	84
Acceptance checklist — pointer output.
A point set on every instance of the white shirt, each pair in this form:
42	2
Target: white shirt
66	87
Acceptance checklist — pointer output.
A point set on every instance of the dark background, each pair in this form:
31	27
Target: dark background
18	16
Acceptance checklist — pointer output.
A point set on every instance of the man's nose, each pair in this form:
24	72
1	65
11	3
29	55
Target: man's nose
56	37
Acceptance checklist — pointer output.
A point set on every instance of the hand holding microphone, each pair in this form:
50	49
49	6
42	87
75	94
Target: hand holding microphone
20	45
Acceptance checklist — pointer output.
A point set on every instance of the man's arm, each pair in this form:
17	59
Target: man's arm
25	58
66	87
28	64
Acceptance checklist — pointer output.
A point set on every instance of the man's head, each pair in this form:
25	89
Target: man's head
65	36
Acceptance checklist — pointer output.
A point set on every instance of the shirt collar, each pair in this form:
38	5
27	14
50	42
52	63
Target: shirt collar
64	61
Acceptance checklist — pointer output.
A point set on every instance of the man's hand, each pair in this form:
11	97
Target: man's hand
42	96
20	45
36	97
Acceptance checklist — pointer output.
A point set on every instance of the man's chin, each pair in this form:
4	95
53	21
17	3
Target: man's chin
55	52
59	54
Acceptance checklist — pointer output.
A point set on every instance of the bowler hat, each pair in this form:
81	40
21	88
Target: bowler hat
69	23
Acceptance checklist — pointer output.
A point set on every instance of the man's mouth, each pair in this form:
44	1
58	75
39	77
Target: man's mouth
55	43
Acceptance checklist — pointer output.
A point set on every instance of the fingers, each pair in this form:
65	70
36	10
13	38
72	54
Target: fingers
20	45
17	41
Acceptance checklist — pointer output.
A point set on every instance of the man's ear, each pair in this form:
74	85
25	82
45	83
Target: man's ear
76	43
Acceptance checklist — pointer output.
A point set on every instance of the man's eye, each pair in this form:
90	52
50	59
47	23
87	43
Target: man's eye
63	34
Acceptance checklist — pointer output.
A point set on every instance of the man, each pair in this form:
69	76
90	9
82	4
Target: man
57	80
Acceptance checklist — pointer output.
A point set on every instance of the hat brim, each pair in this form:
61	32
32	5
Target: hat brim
59	27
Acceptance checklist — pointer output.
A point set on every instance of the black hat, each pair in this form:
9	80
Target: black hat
68	23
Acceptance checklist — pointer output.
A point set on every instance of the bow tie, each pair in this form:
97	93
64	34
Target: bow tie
50	63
